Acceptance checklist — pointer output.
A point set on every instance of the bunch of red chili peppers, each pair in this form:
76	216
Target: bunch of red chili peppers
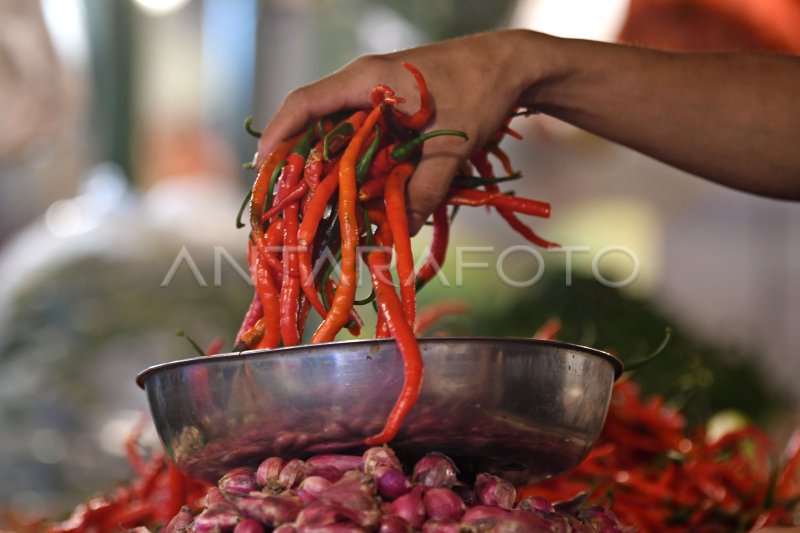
156	494
336	193
658	477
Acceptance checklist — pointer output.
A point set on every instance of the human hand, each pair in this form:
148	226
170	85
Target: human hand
475	82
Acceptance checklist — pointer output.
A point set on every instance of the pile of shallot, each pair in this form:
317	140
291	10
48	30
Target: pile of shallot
351	493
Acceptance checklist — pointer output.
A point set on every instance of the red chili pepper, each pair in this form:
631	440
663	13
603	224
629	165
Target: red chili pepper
290	289
293	196
313	169
418	120
391	308
438	250
373	188
484	168
431	314
251	338
176	498
549	330
503	157
135	460
398	223
215	347
255	312
265	283
383	237
473	197
308	230
356	322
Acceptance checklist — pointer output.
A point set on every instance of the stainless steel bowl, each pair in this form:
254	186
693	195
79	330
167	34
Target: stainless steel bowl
520	408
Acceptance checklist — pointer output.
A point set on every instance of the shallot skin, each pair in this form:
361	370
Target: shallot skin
332	493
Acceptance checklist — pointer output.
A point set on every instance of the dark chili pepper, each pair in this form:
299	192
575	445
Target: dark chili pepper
404	151
473	182
248	127
245	203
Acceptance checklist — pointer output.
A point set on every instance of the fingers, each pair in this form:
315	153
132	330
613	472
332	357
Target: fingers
342	90
431	180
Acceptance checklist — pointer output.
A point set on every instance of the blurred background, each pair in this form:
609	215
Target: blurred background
121	151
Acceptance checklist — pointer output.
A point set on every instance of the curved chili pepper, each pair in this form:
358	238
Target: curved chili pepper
245	203
392	310
396	215
502	157
484	168
438	251
248	127
338	315
418	120
402	152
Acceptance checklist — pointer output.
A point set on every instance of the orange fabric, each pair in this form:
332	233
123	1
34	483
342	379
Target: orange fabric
706	25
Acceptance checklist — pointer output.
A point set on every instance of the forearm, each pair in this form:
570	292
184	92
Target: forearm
731	118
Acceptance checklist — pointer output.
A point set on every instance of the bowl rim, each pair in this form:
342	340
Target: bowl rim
142	377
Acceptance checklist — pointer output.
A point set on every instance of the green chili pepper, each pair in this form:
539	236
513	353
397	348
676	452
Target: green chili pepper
273	180
248	127
239	223
366	160
197	348
639	363
345	128
303	146
472	182
404	151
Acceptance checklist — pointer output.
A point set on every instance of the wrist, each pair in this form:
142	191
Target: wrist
543	67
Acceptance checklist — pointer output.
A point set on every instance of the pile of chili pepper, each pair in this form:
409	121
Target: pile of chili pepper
158	491
658	476
334	196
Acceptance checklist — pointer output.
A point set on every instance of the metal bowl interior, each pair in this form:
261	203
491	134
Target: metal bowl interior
520	408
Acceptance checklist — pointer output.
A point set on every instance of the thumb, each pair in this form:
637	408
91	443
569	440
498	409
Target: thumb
428	188
430	183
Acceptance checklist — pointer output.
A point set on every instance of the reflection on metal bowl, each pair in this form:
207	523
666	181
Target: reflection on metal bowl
520	408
